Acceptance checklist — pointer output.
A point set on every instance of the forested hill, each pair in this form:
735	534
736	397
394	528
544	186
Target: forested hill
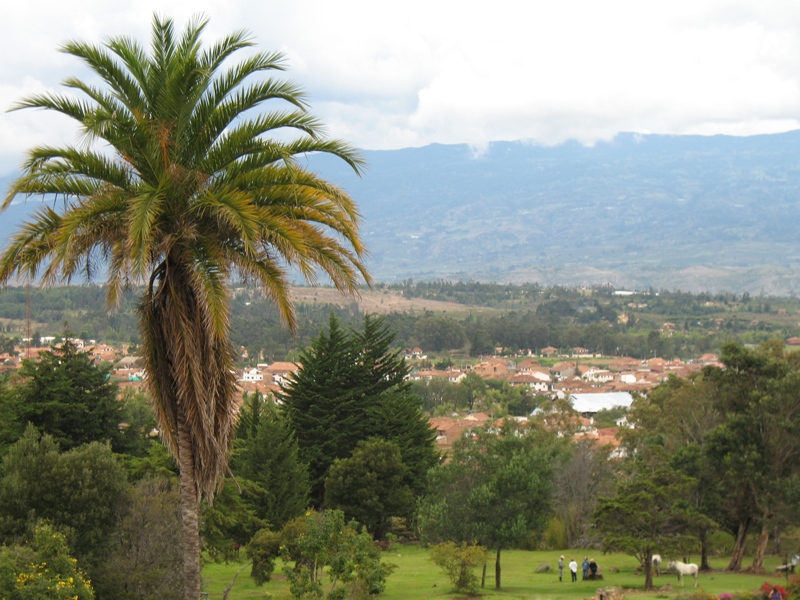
670	212
676	212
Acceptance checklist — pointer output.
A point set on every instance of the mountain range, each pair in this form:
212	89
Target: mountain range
695	213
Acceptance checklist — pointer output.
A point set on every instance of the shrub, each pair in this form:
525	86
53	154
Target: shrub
748	595
766	589
459	562
263	549
555	534
720	543
320	544
42	570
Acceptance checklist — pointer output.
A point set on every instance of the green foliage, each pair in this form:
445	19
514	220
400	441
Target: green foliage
230	522
144	558
263	550
43	571
266	453
555	534
79	491
459	562
435	333
351	386
650	512
137	437
320	543
369	486
495	490
158	462
65	395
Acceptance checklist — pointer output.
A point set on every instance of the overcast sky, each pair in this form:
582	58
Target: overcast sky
391	74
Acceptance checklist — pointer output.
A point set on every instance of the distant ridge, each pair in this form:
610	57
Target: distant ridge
678	212
694	213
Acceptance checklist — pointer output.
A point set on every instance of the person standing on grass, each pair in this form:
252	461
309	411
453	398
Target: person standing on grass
561	568
585	567
573	569
592	569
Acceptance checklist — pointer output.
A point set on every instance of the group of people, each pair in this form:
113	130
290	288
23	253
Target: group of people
588	566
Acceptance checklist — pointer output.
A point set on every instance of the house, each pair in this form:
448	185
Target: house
493	368
428	374
252	374
581	352
549	351
455	375
534	383
594	375
449	429
278	371
571	385
528	365
562	370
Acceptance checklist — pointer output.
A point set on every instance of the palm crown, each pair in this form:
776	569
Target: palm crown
179	190
190	194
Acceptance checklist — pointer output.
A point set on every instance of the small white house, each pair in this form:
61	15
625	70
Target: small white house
252	375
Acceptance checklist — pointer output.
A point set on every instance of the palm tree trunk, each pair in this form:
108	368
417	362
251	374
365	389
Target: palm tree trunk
190	510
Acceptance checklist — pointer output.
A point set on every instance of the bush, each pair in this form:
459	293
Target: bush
459	562
555	534
720	543
42	570
748	595
320	544
766	589
263	549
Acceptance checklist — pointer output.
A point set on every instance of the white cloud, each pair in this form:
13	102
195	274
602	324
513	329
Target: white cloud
396	74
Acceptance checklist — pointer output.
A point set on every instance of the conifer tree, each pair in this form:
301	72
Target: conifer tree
350	387
67	396
270	459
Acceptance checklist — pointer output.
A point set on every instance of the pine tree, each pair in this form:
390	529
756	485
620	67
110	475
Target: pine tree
270	459
67	396
351	386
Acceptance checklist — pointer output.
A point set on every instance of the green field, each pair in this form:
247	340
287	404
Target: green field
416	577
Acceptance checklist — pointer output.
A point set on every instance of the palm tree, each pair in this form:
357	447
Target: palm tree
186	193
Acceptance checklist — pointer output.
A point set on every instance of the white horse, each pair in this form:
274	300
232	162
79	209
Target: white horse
684	569
656	563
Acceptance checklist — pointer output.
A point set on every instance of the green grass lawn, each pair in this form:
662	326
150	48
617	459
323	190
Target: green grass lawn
416	577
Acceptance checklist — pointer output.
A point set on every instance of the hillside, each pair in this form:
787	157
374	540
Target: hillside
669	212
675	212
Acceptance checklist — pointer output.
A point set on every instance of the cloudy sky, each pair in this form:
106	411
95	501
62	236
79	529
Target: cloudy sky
387	74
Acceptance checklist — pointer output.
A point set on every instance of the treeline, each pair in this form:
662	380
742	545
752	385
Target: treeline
526	317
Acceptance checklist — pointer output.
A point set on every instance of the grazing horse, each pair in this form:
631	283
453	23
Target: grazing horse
656	563
684	569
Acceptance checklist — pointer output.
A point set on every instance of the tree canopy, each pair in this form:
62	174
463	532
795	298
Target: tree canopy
67	396
350	387
495	490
